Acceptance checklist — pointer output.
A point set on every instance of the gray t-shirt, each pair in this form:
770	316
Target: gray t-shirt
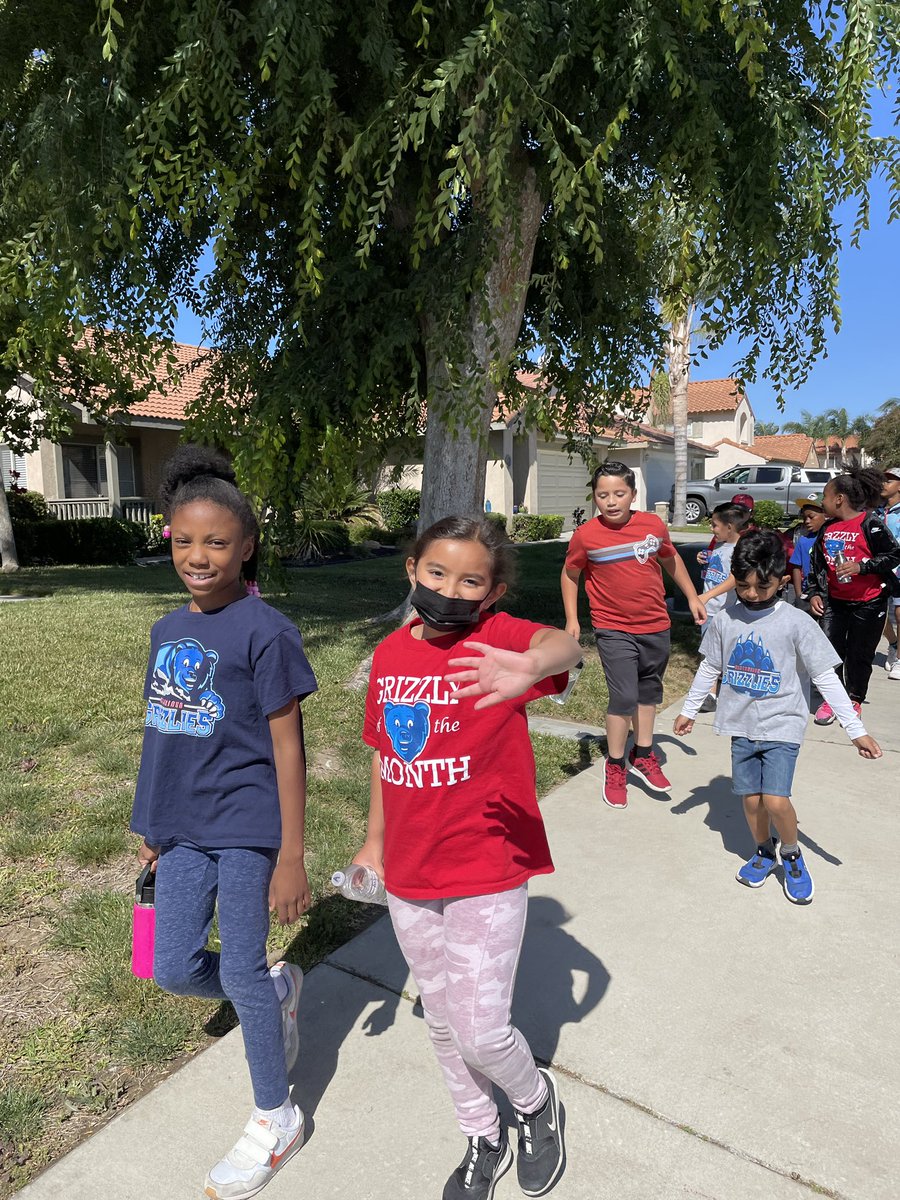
766	660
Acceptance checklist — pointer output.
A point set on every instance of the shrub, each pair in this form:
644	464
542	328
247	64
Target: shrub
395	537
768	514
530	527
364	531
399	508
497	518
98	541
313	539
27	506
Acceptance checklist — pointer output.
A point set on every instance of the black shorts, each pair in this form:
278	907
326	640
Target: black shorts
634	665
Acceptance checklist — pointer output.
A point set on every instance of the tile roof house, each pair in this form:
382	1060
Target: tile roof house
89	474
94	471
527	471
796	448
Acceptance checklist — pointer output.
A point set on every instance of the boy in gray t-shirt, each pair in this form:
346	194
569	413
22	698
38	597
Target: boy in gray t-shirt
767	654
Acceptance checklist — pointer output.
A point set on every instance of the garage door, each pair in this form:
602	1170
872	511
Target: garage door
563	484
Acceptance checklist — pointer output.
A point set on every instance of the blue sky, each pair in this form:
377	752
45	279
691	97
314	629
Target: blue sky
861	370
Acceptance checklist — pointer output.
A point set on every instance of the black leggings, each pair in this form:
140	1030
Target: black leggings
854	628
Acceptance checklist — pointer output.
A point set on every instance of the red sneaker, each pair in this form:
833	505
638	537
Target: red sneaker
650	771
614	790
857	707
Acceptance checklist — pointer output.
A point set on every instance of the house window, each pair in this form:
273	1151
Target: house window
695	429
10	463
84	471
697	469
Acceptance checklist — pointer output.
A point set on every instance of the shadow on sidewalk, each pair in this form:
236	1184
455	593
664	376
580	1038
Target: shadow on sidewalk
725	816
559	980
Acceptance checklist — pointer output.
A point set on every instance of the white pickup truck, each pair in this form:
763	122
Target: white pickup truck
783	484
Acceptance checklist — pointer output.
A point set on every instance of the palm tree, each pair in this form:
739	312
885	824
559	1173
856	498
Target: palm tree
814	425
765	428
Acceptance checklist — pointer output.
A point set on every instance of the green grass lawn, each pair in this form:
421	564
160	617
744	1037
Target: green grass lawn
79	1035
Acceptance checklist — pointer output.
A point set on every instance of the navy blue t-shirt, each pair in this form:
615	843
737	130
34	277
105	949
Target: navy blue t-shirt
207	773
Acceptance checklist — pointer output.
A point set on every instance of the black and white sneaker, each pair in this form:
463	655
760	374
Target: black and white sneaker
542	1152
476	1176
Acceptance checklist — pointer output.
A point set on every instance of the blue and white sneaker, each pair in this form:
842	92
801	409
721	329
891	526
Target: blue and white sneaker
756	870
798	884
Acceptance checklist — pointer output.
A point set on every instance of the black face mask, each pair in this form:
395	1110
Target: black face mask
760	605
444	613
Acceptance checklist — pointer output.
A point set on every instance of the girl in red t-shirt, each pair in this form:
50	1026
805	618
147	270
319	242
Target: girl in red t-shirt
455	830
851	564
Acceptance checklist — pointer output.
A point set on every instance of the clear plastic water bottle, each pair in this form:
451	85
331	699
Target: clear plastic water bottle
358	882
574	675
837	560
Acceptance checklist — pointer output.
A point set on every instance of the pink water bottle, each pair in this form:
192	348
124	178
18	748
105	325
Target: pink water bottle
143	924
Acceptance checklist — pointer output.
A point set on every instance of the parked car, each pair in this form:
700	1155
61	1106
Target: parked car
785	485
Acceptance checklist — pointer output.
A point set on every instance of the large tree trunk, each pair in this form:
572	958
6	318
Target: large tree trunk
679	356
460	409
8	556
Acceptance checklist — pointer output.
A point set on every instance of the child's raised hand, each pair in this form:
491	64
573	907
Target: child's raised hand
867	747
683	725
289	891
494	674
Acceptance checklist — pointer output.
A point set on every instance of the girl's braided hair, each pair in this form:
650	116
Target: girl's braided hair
200	473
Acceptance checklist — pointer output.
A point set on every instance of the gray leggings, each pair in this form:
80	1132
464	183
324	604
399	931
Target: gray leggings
463	954
189	882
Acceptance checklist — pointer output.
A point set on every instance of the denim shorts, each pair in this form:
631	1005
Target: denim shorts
762	768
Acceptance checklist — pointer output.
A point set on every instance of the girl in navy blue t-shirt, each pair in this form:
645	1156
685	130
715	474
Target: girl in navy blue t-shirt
221	795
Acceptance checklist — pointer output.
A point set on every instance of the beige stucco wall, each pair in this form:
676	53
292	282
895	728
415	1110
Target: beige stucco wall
737	425
731	456
157	445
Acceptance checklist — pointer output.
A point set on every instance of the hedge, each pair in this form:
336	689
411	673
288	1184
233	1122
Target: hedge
97	541
497	518
531	527
399	508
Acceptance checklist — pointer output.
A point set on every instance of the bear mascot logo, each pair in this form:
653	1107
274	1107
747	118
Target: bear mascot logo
751	670
408	727
182	685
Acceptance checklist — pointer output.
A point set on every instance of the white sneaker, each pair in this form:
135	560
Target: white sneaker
259	1152
894	672
293	977
891	661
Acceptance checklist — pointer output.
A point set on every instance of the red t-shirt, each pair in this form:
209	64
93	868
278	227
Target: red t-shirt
848	536
461	816
621	572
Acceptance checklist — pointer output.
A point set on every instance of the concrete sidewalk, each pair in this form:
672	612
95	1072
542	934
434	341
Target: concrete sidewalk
711	1041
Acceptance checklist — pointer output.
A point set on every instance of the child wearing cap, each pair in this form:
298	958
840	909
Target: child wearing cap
812	514
890	494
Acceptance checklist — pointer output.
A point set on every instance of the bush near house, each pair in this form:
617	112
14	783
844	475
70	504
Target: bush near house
26	506
497	519
768	514
98	541
399	509
532	527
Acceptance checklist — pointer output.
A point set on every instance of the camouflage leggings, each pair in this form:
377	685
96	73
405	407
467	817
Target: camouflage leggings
463	954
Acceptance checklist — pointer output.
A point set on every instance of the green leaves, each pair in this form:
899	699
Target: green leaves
328	188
